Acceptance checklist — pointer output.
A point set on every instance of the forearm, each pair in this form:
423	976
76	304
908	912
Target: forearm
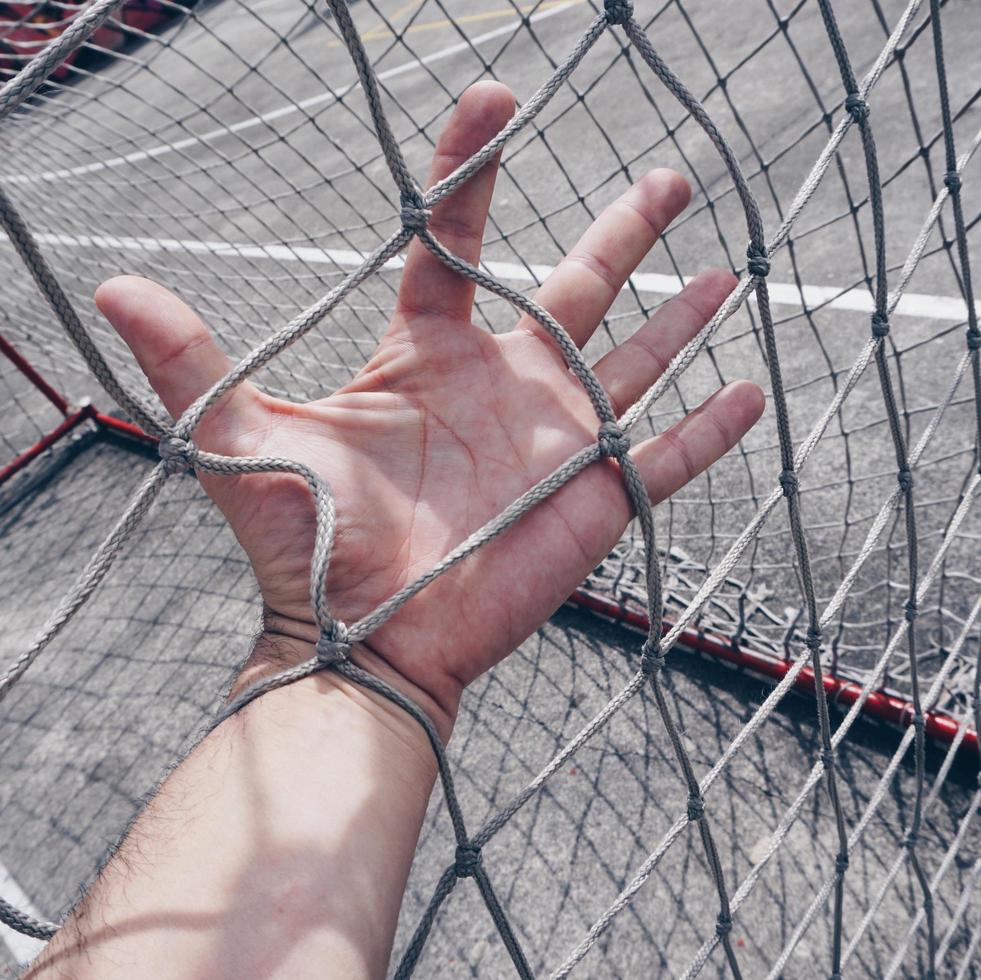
279	848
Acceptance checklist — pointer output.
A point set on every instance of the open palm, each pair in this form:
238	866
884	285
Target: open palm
445	426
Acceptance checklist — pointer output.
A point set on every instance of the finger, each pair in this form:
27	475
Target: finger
458	220
667	462
174	348
628	370
583	286
676	456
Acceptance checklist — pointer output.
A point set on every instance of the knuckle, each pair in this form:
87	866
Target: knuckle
680	447
599	267
174	353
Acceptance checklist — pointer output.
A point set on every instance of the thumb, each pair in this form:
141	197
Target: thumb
178	355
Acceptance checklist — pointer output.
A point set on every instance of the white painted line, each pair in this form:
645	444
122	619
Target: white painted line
268	117
922	305
23	948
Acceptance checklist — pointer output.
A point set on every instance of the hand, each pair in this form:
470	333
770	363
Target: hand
445	426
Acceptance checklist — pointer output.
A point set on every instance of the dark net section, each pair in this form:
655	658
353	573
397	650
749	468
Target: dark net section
223	151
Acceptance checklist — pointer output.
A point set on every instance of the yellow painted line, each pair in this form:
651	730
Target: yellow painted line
382	33
380	29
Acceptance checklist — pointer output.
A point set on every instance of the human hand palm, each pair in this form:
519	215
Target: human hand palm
445	426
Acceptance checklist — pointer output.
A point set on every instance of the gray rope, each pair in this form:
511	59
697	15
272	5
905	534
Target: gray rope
24	923
952	181
290	333
12	94
26	247
525	114
858	108
406	183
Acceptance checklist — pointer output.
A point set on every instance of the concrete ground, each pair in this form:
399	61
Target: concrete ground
231	160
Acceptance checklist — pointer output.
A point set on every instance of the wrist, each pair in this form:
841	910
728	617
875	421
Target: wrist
286	642
296	822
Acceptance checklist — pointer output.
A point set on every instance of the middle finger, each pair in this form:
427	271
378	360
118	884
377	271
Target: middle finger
583	286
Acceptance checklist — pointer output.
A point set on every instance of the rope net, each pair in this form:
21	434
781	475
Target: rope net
261	159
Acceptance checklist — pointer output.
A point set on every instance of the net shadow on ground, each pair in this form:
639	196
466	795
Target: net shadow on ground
141	669
91	731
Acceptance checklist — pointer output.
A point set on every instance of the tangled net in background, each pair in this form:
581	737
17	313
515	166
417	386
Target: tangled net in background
808	641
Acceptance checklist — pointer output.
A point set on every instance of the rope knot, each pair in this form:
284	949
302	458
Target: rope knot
467	860
813	639
952	181
415	215
974	339
333	646
857	107
618	11
177	454
912	839
613	441
415	219
919	722
911	610
696	808
723	925
789	482
828	759
651	658
758	264
841	864
880	325
905	480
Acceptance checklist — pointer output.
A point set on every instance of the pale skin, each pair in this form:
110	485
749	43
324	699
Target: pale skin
280	847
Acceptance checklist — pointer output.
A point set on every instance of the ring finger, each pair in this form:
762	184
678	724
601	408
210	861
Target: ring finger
583	286
628	370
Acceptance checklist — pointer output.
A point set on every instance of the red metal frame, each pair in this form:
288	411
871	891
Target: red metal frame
121	427
882	705
23	365
71	420
30	26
